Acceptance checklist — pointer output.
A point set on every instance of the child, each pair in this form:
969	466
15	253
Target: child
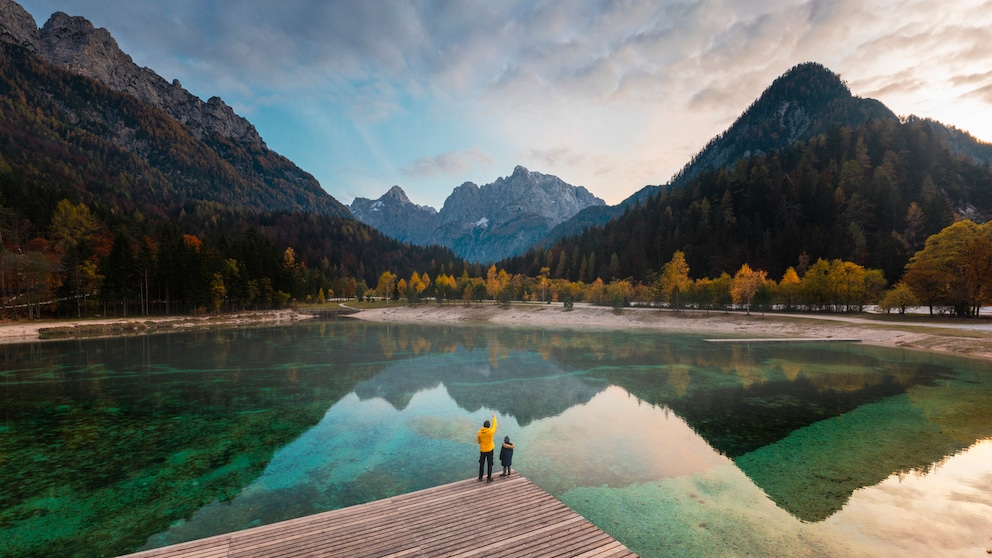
506	456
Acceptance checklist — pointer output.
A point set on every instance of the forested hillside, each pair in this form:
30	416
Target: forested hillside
870	195
106	202
804	102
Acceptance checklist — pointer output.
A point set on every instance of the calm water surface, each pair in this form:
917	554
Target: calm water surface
675	446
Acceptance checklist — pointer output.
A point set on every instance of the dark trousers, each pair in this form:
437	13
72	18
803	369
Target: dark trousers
486	457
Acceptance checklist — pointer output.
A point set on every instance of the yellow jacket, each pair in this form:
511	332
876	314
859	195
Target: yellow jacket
485	437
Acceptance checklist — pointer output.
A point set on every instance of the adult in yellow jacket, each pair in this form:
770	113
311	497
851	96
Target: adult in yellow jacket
486	447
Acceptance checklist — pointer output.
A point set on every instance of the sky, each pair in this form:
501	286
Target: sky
610	95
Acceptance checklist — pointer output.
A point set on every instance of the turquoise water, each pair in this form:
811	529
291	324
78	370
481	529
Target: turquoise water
675	446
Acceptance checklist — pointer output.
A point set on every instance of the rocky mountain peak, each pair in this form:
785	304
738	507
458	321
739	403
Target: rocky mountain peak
395	215
17	26
74	43
211	129
484	223
396	194
520	171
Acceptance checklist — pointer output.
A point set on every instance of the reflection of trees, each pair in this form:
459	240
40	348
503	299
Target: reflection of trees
744	400
142	432
738	397
812	472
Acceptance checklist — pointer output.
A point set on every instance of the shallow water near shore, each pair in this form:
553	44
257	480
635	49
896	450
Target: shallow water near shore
675	446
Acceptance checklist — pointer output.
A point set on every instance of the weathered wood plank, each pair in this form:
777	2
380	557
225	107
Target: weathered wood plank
456	519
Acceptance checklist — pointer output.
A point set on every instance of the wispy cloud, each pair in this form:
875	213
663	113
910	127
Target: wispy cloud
612	95
451	164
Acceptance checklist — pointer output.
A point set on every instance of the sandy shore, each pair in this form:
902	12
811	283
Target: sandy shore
966	338
23	331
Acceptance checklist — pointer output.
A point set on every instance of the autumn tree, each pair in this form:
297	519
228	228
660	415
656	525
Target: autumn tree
954	268
788	288
745	285
71	230
847	281
674	280
899	297
385	286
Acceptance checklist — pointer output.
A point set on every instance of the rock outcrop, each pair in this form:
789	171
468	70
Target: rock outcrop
73	42
17	26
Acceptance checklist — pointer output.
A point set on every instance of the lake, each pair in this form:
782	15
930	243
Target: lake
675	446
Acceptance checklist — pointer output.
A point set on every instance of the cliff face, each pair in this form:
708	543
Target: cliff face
17	26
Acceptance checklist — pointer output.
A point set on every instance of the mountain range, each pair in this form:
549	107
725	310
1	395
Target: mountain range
805	102
481	223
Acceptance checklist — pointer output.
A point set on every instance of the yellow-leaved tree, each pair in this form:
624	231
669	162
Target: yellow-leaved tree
745	285
674	282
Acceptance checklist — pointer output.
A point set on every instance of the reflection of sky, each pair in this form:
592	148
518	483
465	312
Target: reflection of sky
614	439
944	512
720	512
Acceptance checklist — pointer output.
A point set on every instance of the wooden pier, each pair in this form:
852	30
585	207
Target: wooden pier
507	517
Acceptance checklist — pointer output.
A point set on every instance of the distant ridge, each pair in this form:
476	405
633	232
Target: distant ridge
481	224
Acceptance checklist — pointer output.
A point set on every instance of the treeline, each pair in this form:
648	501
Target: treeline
952	274
83	264
870	195
208	260
835	286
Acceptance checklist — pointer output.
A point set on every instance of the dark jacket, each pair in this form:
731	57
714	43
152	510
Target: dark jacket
506	455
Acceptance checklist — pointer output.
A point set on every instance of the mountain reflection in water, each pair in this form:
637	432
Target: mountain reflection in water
160	439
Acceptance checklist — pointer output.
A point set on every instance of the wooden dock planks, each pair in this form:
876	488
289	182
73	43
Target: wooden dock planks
508	517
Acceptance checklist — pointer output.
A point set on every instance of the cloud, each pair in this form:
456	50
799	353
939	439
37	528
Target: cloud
972	79
452	164
902	82
608	94
555	157
983	93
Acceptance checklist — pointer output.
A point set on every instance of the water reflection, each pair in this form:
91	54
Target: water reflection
107	445
519	383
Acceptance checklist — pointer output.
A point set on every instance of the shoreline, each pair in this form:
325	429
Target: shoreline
969	339
13	332
963	339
